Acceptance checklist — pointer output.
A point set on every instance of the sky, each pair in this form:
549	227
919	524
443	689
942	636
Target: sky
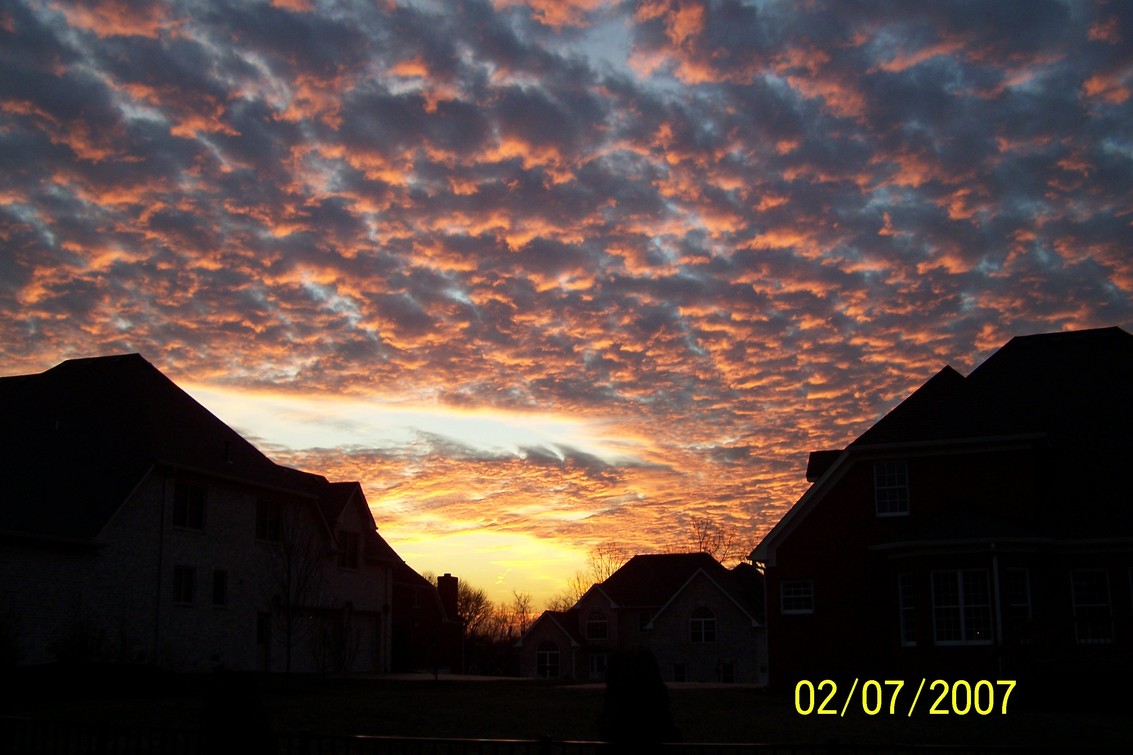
545	276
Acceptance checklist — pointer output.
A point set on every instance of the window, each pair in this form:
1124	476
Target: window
547	660
1018	602
796	596
728	672
184	584
907	609
189	506
348	556
891	488
961	607
680	673
598	664
269	522
597	627
702	626
220	588
1093	618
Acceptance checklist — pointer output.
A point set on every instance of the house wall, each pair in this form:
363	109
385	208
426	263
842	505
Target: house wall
120	590
369	591
736	654
854	630
44	597
545	630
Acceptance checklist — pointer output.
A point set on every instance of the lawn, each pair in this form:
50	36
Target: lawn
522	709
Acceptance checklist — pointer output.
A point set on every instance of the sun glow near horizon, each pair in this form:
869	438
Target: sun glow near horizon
490	496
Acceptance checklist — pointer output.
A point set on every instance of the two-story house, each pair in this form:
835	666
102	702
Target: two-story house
136	526
702	622
983	529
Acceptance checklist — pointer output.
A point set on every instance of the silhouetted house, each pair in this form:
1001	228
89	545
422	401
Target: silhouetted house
983	529
427	631
137	526
702	622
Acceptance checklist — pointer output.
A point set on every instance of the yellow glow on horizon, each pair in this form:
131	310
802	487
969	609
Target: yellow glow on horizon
498	562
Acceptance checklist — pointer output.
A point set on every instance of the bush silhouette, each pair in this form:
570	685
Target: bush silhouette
635	710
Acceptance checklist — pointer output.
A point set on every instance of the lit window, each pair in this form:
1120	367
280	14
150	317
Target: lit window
961	607
702	626
597	627
547	660
189	506
796	596
891	488
184	584
1093	617
907	609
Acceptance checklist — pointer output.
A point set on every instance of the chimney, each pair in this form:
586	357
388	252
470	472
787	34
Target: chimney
447	589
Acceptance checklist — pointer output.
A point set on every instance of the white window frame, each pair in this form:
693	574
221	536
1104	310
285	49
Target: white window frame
962	612
598	664
702	626
891	488
547	659
597	626
1090	610
796	596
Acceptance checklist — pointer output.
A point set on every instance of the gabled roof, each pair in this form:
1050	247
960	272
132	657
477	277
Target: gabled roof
565	621
1070	392
654	580
1076	382
650	580
79	437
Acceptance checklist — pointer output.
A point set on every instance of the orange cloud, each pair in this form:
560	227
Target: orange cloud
111	18
1111	88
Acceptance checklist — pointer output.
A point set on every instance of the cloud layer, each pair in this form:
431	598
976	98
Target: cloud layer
725	233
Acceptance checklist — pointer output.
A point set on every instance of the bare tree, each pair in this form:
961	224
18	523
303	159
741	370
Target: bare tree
602	561
296	578
474	607
722	542
521	610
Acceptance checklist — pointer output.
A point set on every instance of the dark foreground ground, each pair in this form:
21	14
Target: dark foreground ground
524	709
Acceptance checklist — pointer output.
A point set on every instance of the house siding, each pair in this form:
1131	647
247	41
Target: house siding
667	588
1013	478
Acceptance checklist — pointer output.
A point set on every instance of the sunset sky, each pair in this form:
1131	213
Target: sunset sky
546	275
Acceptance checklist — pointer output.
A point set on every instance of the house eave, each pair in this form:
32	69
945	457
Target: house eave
764	553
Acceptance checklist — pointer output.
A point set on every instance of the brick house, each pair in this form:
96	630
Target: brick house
982	529
137	526
702	622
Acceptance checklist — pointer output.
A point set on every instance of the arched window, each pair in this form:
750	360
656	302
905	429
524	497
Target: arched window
702	626
547	660
597	627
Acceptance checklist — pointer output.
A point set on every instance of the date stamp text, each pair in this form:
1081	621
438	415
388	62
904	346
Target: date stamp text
891	696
